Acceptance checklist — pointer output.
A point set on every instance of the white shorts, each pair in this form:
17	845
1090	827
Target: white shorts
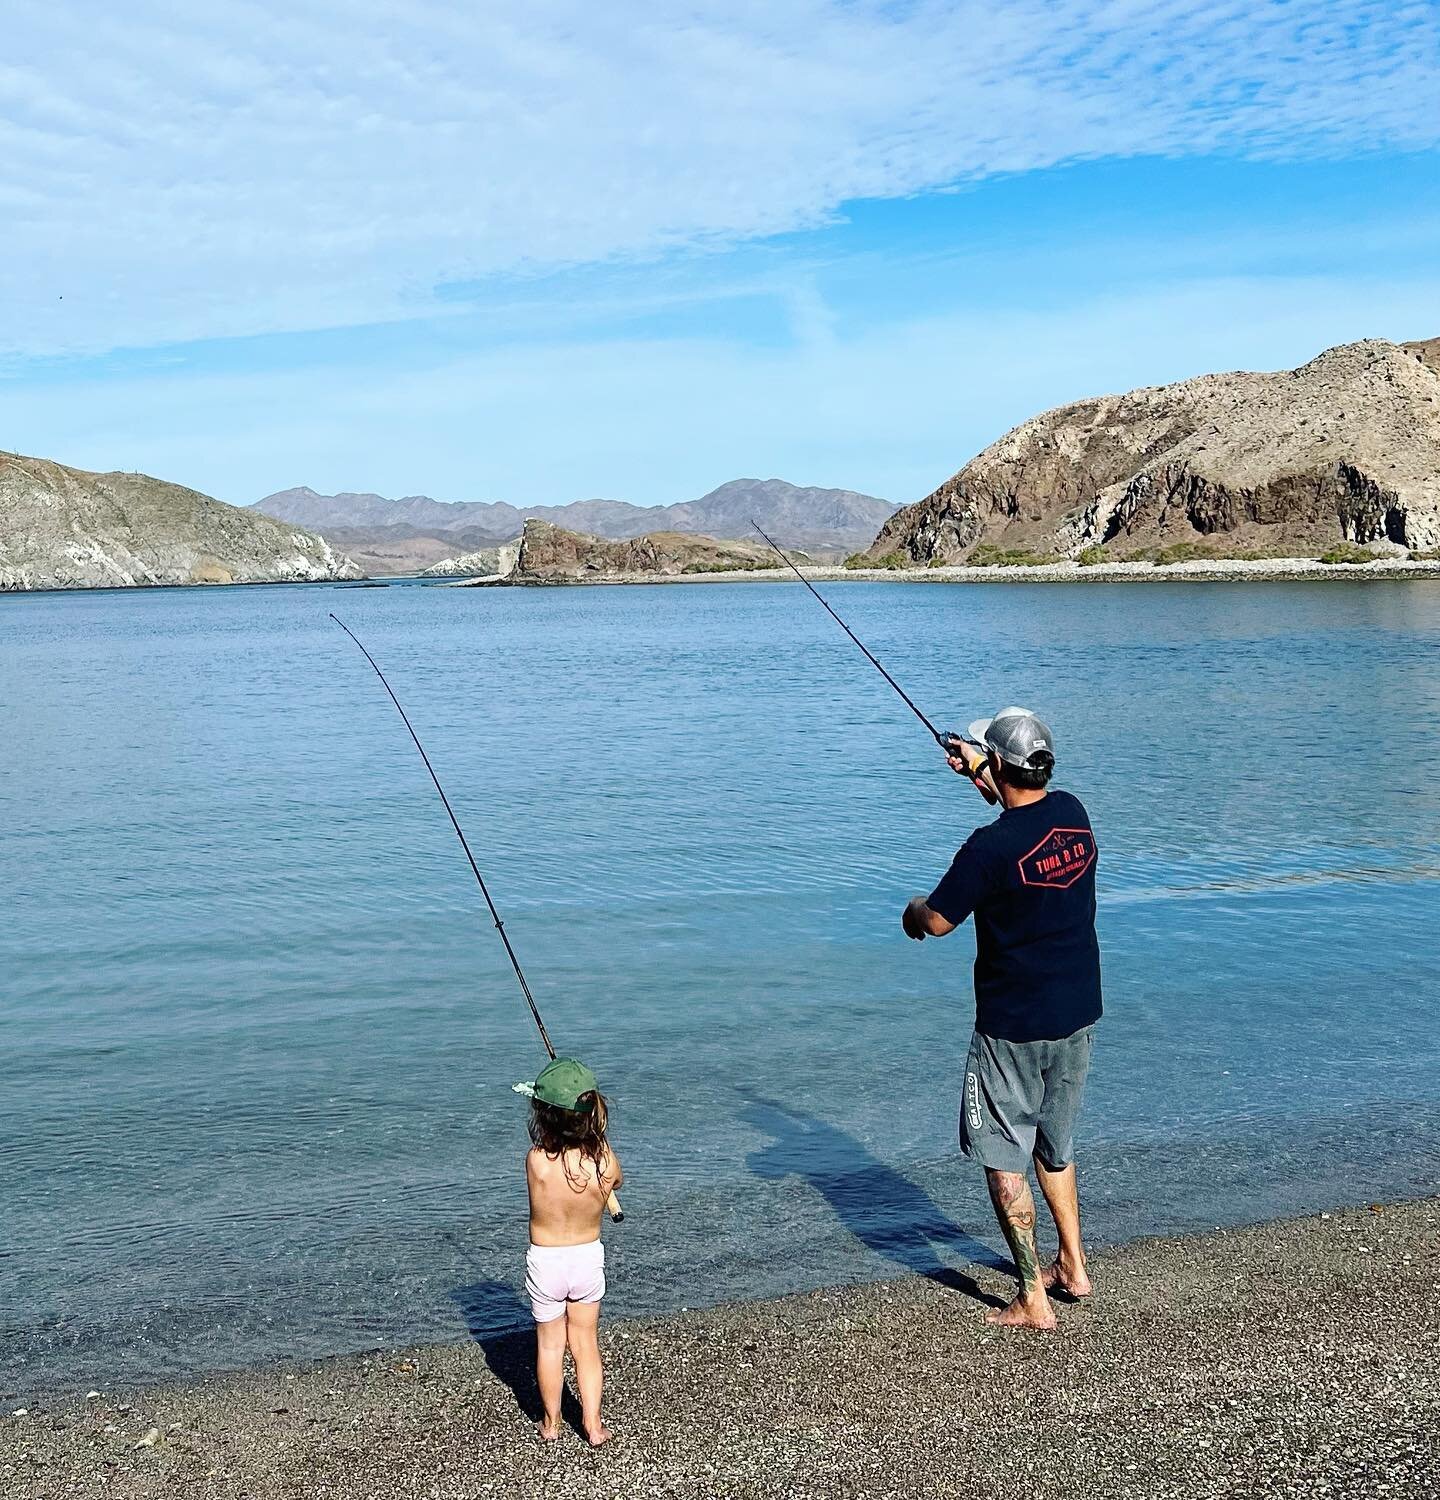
557	1274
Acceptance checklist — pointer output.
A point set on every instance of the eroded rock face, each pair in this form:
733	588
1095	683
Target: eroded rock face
1345	447
68	528
550	554
488	562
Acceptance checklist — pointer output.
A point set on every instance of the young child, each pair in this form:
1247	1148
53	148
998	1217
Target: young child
571	1171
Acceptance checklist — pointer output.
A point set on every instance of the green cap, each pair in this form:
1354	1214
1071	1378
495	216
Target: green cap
561	1083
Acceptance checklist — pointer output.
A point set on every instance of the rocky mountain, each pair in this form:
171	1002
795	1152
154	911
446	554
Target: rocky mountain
418	513
817	520
68	528
551	554
1347	447
416	531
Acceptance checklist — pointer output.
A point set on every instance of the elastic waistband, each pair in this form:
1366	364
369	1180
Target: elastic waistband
595	1244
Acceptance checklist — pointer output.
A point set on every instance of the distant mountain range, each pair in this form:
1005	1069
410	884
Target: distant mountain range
415	532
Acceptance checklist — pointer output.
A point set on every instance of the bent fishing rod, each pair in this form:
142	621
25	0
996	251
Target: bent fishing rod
952	744
612	1203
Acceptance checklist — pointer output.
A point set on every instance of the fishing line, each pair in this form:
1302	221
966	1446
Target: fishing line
614	1203
949	743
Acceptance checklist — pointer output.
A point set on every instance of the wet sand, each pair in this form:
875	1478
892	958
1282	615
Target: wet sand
1292	1359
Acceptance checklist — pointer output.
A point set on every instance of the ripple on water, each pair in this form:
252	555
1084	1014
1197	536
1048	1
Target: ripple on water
260	1037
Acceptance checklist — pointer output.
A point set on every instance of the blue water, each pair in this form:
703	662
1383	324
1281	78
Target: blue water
259	1040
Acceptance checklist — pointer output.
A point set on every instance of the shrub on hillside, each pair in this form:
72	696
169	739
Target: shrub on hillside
1347	552
988	555
758	565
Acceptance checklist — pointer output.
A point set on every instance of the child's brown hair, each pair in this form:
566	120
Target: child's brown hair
556	1131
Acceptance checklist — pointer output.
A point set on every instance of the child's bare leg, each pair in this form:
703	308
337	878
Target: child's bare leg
583	1319
550	1372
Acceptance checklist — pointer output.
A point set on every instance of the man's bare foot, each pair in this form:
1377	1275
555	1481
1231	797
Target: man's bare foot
598	1435
549	1429
1061	1276
1035	1313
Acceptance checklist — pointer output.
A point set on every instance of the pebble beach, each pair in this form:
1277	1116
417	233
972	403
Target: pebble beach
1289	1359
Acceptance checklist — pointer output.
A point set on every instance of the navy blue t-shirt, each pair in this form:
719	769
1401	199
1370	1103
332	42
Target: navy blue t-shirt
1029	880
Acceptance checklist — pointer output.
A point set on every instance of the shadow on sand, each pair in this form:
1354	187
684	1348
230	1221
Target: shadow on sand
499	1321
873	1201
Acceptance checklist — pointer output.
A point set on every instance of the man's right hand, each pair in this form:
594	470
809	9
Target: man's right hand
965	760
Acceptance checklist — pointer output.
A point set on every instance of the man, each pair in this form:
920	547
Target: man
1028	878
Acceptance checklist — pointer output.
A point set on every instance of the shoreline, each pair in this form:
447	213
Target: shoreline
1295	1357
1267	570
1238	570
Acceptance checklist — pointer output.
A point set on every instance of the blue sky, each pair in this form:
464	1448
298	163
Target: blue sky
550	251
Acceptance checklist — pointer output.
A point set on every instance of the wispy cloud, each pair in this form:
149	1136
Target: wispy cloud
892	409
243	166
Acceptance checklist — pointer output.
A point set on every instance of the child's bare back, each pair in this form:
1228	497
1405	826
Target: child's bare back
567	1195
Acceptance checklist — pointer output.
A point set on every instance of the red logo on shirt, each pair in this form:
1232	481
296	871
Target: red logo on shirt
1059	859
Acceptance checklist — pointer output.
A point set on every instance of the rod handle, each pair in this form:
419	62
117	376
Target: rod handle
984	782
612	1204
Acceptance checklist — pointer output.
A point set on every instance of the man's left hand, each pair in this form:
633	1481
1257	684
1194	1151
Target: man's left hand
913	921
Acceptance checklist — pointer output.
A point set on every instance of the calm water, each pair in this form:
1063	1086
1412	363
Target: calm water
259	1042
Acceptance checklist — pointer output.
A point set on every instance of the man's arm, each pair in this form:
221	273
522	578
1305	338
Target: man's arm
920	922
961	889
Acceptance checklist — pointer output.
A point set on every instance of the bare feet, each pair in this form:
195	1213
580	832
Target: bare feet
549	1429
1034	1313
598	1435
1061	1276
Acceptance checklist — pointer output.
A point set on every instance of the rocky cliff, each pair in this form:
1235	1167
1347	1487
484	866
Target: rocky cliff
67	528
550	554
1346	447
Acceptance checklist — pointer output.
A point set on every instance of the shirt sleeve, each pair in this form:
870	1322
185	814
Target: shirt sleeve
964	885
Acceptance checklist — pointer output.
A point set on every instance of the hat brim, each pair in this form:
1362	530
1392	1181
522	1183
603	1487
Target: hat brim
528	1089
979	729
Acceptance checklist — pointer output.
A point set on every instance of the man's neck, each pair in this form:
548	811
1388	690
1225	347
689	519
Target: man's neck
1017	796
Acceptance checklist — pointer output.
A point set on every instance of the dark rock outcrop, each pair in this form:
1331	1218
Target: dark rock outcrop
550	554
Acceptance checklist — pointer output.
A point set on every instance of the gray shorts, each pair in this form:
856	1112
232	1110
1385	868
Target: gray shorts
1023	1097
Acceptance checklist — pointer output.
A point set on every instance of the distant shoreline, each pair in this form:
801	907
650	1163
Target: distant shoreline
1267	570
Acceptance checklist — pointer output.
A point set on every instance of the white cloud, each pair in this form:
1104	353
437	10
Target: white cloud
245	166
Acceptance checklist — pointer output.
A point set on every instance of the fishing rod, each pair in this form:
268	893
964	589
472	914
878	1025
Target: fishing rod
613	1203
952	744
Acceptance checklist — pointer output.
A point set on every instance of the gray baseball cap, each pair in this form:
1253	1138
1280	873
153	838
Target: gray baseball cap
1015	735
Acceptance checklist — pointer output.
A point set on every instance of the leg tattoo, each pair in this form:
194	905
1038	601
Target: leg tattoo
1015	1208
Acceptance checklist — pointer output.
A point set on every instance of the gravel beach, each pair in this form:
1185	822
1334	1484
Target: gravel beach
1291	1359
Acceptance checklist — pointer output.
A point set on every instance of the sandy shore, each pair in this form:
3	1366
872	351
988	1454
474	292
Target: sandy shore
1270	570
1294	1359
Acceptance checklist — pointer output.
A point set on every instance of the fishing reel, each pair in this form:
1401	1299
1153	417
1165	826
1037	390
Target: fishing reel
952	744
